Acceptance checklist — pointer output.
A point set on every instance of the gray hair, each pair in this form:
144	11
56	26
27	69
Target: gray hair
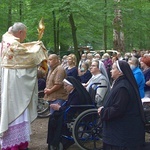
17	27
134	60
86	65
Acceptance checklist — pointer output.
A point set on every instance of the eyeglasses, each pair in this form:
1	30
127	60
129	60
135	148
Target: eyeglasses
93	66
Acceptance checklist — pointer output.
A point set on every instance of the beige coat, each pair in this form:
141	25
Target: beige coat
19	79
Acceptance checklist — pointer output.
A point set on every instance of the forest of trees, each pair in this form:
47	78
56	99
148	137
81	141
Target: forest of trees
123	25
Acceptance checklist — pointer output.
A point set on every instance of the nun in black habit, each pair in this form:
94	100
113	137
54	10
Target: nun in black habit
122	113
78	95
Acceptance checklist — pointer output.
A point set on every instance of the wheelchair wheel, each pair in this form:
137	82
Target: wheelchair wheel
87	130
43	106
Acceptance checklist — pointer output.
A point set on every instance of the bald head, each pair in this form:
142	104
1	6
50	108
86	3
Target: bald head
53	60
54	56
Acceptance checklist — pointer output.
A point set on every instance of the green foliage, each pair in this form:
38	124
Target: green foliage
89	18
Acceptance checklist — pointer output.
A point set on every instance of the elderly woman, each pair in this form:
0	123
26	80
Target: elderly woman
108	63
137	72
77	96
145	65
84	73
99	75
122	113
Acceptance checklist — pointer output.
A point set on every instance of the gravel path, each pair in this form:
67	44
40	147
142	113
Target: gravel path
39	134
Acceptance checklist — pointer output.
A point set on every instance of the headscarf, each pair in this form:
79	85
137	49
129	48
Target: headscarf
83	94
66	81
104	72
127	72
102	69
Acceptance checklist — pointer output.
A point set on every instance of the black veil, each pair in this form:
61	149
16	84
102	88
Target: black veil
127	72
83	93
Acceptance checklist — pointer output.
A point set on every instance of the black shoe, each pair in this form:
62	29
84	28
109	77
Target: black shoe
68	144
49	147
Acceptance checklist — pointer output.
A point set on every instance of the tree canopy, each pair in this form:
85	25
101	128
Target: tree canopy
73	23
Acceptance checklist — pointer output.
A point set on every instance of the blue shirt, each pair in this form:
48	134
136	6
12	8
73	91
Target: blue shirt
140	79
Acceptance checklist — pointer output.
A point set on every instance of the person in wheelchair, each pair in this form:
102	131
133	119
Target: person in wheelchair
41	80
98	86
78	95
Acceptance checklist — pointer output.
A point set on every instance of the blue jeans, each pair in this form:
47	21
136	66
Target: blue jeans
57	101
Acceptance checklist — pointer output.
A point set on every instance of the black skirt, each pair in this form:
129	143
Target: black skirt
113	147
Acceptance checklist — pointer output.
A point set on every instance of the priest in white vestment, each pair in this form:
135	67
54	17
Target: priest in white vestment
19	90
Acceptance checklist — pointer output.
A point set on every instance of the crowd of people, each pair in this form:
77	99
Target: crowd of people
139	63
128	85
125	80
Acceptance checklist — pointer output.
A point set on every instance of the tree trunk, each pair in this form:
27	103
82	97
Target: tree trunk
105	27
118	35
73	28
10	14
54	28
57	37
20	10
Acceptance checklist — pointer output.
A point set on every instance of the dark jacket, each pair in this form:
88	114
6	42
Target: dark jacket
79	96
85	77
73	99
72	72
122	122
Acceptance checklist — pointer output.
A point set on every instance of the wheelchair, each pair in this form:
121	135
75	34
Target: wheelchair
146	106
43	106
85	127
87	130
